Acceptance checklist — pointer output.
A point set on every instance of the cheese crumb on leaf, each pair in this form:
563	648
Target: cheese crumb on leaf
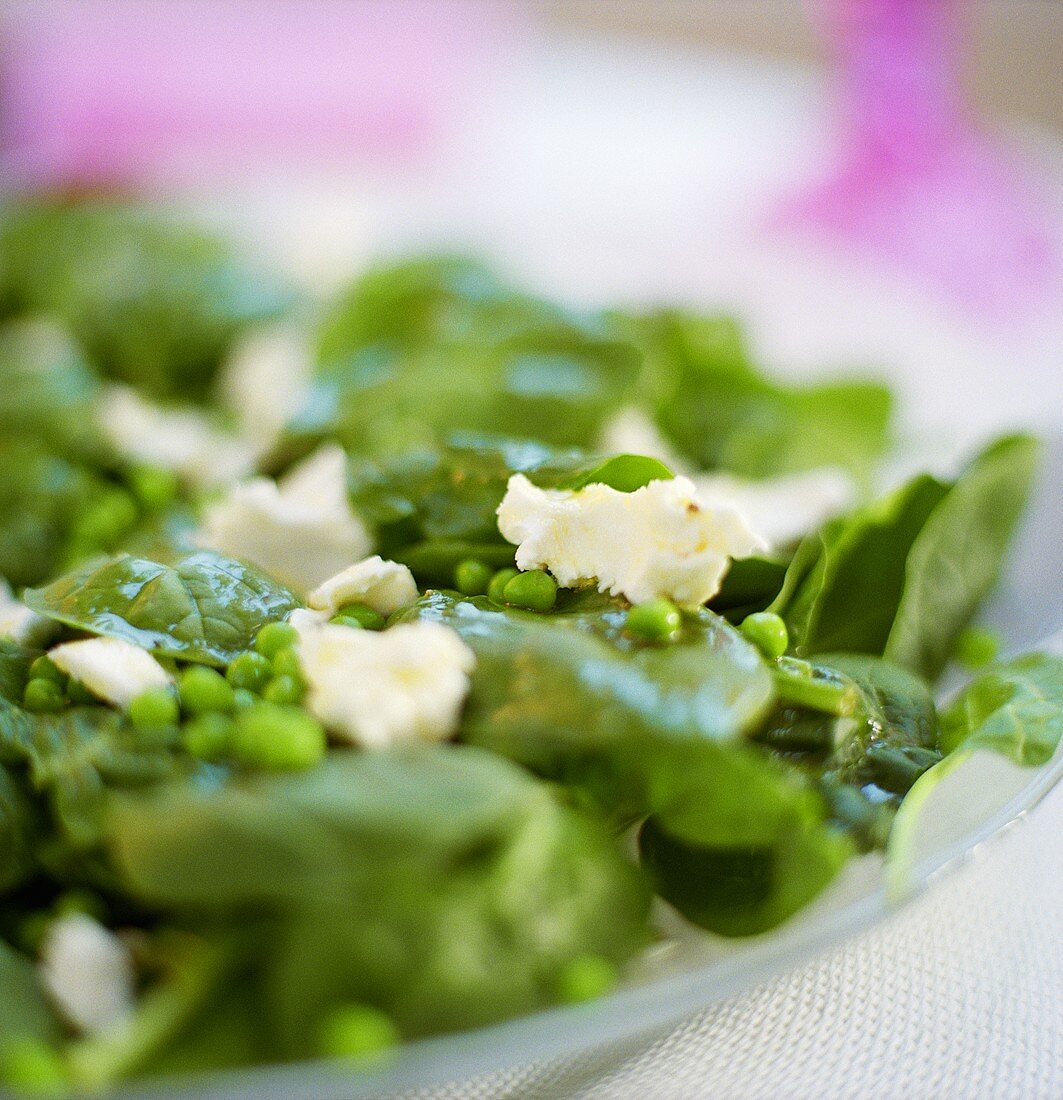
661	540
113	669
21	624
385	586
377	689
300	530
87	973
181	440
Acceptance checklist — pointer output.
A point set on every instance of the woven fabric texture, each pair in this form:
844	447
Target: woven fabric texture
959	996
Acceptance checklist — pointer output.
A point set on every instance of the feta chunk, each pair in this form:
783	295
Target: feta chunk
782	510
661	540
300	530
87	973
181	440
264	381
112	669
385	586
377	689
22	625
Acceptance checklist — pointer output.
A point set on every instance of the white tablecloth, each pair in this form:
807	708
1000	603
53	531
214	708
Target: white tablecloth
959	996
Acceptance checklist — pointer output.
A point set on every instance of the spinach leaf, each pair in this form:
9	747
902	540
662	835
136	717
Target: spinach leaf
41	497
432	509
625	473
47	390
1015	708
441	884
903	576
749	585
23	1011
204	608
423	349
720	412
956	558
156	304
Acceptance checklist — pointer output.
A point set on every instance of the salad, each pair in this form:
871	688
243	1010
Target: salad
385	667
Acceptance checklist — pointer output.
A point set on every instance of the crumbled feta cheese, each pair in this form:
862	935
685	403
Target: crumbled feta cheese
377	689
661	540
300	530
782	510
181	440
113	669
22	625
632	432
385	586
87	972
263	382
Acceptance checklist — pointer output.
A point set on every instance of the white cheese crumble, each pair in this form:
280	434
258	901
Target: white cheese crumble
381	688
661	540
782	510
263	382
87	973
180	440
112	669
301	529
385	586
22	625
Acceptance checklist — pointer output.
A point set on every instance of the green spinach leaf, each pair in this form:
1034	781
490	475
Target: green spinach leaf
23	1011
441	884
204	608
1015	708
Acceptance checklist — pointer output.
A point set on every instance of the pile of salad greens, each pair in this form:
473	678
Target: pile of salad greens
210	874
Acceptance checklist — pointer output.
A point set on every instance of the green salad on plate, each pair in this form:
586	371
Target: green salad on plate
380	668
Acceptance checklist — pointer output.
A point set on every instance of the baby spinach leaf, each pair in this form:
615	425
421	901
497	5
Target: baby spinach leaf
845	582
441	884
721	413
156	304
204	608
749	585
903	576
41	496
420	350
1015	708
47	390
23	1011
625	473
956	558
570	696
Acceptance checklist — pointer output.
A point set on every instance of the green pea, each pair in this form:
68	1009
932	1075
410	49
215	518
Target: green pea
286	663
584	978
655	620
767	632
472	577
250	670
534	590
43	697
209	736
370	619
285	690
346	620
30	1067
43	668
78	694
976	647
243	698
274	637
499	582
277	737
153	486
154	709
205	689
357	1032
